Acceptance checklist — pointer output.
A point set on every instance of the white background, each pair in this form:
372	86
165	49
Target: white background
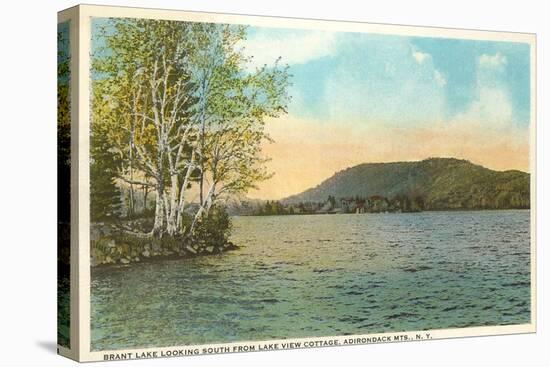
28	166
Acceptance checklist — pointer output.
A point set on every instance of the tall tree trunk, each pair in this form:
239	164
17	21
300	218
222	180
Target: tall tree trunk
203	209
183	187
171	226
131	198
202	137
158	225
145	193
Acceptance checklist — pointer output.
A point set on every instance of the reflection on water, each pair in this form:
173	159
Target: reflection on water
321	275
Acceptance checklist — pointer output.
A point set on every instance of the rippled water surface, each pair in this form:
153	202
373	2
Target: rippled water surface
321	275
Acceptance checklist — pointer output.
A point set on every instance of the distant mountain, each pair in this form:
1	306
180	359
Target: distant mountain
441	183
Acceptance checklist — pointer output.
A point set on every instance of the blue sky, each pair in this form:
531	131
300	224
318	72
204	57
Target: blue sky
361	97
397	79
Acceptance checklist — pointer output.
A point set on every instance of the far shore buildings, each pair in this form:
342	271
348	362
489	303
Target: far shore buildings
357	205
372	204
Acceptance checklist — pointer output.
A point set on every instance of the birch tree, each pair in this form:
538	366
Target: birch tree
180	107
233	106
147	86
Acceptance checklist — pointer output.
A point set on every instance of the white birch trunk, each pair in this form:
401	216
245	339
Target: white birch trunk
171	227
158	225
203	209
183	188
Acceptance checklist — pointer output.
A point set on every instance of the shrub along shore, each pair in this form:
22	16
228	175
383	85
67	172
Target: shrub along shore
115	244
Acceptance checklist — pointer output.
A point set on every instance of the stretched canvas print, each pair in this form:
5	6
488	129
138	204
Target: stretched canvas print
237	183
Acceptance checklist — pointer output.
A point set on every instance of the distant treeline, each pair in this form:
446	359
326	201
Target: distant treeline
357	204
431	184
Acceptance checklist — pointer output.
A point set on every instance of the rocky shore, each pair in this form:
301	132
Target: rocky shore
109	246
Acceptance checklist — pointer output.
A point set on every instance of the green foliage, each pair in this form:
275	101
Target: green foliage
273	208
175	104
63	185
63	311
63	127
106	197
214	228
431	184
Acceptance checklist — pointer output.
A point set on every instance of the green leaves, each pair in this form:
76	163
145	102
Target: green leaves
165	92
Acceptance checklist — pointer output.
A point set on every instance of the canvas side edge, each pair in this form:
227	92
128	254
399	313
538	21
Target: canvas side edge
71	15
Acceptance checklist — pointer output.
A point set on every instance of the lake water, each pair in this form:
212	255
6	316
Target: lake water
323	275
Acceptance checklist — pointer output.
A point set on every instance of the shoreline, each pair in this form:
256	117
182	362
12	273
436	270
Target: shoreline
111	249
450	210
109	246
159	258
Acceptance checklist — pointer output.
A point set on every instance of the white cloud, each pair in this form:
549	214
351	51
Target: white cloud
439	78
293	47
420	57
385	82
492	107
492	61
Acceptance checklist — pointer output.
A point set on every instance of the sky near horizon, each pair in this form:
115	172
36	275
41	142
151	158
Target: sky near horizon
359	97
364	97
